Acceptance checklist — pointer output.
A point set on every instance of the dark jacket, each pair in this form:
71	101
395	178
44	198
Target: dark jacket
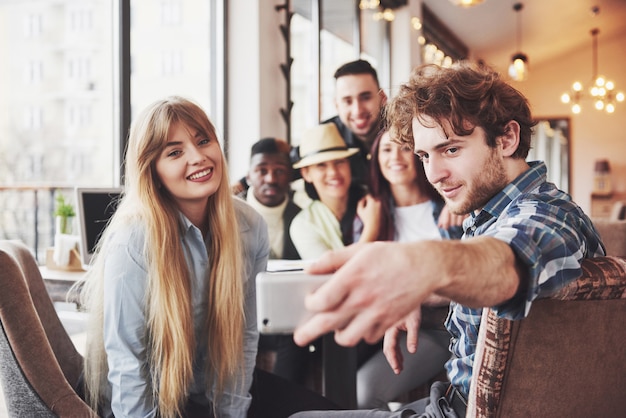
289	250
291	210
359	162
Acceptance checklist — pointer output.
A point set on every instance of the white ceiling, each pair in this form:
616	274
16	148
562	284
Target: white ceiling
550	28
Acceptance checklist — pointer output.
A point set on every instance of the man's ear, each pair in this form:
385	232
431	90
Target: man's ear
383	97
510	138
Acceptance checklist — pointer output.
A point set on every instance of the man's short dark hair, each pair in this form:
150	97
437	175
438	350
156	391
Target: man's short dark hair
270	146
355	68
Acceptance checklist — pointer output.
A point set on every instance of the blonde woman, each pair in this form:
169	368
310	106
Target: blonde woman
172	290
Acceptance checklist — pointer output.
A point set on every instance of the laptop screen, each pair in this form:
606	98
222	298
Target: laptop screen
95	208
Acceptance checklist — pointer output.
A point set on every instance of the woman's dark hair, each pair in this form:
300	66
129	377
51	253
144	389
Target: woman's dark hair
380	188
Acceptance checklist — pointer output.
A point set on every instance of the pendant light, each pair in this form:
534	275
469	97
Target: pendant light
602	91
518	70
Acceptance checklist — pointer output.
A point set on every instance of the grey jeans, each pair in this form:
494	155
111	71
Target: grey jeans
435	406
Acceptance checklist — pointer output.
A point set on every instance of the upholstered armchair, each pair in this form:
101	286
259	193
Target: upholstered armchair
566	359
39	366
613	234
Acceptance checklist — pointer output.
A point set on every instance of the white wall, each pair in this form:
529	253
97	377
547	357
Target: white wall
256	86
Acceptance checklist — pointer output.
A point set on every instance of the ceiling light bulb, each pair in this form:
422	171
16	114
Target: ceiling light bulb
369	4
576	108
599	104
466	3
518	70
416	23
609	85
600	81
619	97
577	86
610	108
565	98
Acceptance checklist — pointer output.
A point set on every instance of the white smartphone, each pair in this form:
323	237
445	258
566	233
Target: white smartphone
280	299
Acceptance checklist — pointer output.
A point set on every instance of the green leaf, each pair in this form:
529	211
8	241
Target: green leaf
64	209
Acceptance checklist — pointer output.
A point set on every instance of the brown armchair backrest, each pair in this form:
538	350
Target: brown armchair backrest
39	365
566	359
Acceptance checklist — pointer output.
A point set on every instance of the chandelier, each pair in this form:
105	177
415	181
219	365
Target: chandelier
602	91
518	70
467	3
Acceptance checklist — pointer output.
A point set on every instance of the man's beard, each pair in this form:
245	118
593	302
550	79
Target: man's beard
484	186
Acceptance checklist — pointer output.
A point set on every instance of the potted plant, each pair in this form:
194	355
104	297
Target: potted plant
64	215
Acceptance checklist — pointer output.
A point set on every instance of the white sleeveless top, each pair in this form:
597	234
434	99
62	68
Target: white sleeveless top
415	223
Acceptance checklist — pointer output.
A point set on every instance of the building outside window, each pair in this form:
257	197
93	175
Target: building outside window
60	99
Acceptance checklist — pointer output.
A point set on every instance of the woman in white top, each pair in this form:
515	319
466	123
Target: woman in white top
409	210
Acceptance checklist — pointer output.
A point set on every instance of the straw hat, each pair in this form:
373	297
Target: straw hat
322	143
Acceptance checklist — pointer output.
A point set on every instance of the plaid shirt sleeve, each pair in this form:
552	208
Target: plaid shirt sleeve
550	236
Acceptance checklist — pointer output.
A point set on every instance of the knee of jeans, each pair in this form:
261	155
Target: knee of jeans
368	397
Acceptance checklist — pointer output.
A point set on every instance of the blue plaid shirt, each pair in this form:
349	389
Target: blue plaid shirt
549	234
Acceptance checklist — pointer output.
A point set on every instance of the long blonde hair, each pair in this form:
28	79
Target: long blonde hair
169	310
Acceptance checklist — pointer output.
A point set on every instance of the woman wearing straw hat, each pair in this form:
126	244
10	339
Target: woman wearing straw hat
330	221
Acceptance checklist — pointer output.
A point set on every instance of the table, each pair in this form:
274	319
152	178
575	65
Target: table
59	282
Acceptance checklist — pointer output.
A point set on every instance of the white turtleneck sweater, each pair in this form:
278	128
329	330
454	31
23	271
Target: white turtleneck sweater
273	216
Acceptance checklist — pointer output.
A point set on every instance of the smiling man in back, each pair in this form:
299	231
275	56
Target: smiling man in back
359	101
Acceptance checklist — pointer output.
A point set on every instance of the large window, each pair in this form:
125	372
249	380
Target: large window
56	98
170	51
73	76
324	35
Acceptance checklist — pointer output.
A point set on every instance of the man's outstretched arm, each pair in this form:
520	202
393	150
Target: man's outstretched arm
375	285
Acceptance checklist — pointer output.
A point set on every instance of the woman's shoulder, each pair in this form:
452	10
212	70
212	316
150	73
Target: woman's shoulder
316	215
313	209
129	233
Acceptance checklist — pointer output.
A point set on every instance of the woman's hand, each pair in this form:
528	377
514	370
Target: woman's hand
369	211
391	342
448	219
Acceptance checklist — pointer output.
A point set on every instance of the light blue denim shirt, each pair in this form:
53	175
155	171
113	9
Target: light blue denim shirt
125	320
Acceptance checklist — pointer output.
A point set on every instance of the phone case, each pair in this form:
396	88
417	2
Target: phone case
280	299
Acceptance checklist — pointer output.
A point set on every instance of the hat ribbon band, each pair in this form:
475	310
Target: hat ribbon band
324	150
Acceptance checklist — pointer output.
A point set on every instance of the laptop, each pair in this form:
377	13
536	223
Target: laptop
95	207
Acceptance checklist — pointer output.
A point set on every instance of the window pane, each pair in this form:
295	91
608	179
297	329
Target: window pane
57	128
56	120
170	52
303	75
338	46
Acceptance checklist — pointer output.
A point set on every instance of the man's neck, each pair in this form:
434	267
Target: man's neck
368	139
